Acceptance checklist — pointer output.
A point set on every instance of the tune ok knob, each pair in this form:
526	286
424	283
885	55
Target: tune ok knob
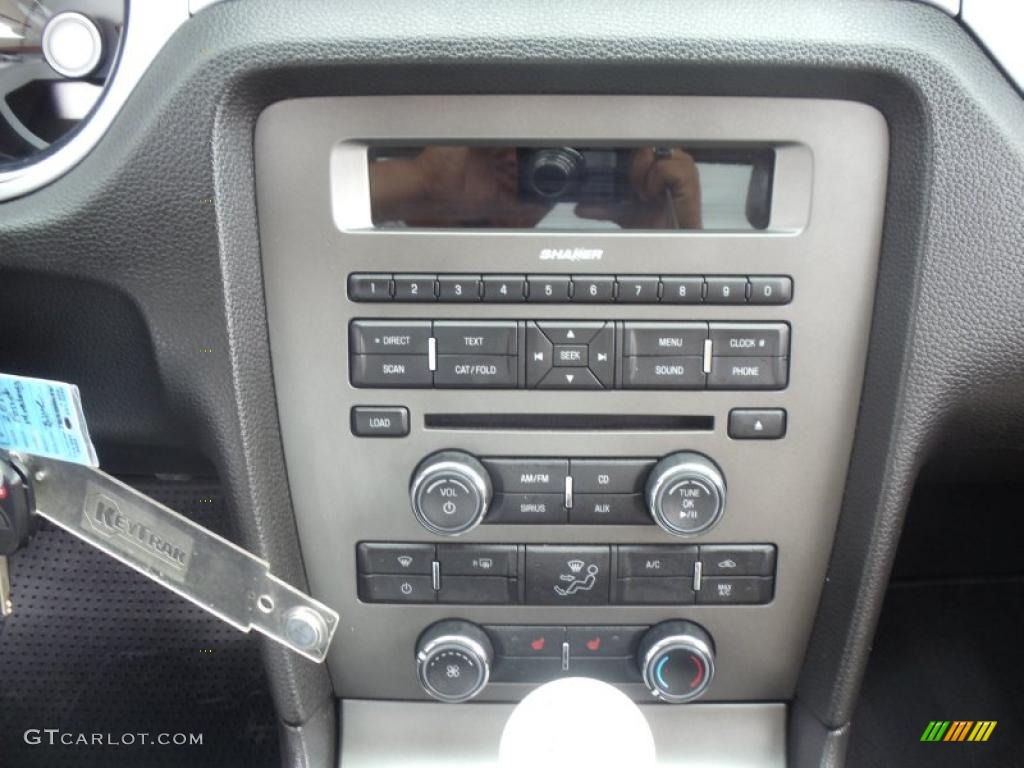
450	492
678	660
453	660
686	493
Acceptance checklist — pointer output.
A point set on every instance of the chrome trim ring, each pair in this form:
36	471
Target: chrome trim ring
464	645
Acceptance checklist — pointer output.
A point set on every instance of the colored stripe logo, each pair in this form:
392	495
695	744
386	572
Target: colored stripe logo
958	730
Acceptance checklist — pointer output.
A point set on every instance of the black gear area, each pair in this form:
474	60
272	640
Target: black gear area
95	648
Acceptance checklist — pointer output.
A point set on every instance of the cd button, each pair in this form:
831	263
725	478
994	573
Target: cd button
610	475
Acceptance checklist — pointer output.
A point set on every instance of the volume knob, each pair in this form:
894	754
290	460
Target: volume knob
450	492
686	493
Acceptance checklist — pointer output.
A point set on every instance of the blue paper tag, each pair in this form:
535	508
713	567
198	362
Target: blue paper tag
44	418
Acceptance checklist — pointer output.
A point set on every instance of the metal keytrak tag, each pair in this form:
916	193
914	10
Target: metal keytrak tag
186	558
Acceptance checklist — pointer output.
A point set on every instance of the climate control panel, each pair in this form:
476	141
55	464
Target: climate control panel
456	659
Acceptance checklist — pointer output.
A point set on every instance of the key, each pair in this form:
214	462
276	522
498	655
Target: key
16	523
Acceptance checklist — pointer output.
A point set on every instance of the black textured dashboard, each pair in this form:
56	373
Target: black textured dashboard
150	276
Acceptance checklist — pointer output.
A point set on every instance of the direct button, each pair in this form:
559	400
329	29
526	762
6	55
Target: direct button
482	338
749	339
382	421
382	337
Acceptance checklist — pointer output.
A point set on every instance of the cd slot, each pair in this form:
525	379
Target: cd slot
571	422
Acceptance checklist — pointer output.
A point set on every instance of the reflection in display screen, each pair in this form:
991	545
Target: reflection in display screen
581	188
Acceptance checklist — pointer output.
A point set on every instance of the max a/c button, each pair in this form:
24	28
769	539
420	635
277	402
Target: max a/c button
380	421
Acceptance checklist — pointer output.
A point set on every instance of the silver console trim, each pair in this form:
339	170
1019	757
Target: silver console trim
785	492
381	734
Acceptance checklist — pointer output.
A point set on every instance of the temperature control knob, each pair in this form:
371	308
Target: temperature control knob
686	493
678	660
453	660
450	492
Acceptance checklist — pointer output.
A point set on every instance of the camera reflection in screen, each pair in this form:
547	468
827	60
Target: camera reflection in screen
525	188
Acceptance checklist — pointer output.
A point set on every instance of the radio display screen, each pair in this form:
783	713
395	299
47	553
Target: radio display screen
573	188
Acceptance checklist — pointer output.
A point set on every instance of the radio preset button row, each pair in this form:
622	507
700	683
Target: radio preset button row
623	289
565	575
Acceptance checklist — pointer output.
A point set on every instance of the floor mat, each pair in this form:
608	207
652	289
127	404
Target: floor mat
118	665
944	651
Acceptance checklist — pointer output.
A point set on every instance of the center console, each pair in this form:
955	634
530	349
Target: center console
586	412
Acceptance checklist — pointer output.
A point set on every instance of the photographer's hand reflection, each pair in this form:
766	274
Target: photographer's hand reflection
460	186
451	187
665	186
